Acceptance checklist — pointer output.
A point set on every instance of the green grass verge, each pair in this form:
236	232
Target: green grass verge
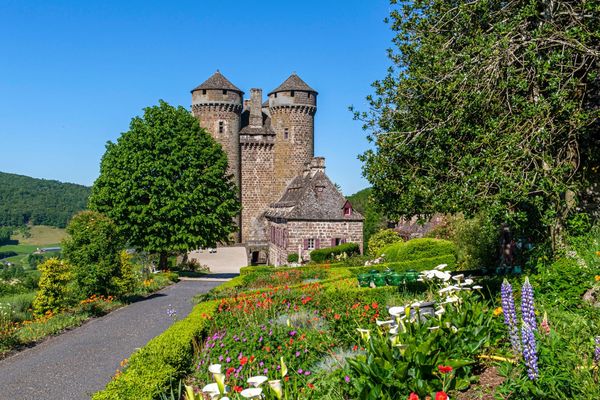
164	359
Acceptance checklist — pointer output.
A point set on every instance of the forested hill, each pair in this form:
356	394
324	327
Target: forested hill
39	201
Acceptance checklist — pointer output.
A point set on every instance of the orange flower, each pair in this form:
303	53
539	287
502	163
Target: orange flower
597	278
598	253
311	386
498	311
374	305
244	360
336	316
367	308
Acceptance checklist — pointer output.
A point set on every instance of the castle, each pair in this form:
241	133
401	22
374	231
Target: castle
288	203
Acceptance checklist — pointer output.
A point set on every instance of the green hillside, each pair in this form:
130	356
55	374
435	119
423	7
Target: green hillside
25	200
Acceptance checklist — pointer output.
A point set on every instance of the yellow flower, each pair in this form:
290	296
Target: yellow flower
598	253
597	278
497	311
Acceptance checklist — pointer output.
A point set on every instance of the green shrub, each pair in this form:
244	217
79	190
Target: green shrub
6	254
422	264
330	253
419	248
381	240
127	278
93	248
255	268
165	358
54	293
292	258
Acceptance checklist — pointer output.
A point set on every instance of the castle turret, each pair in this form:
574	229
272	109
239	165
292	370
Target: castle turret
217	103
292	107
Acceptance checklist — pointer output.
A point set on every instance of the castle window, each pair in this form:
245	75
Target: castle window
310	245
292	93
286	133
347	211
275	95
221	126
224	91
203	91
309	95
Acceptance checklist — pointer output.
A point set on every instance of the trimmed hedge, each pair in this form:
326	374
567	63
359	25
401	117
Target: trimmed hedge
417	265
163	359
329	253
250	269
416	249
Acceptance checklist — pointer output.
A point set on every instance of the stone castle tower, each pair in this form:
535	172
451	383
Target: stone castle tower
267	143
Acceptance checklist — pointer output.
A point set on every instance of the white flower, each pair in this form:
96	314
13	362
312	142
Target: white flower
468	281
443	275
276	386
364	333
440	311
448	289
451	299
380	323
396	311
214	368
256	381
394	330
441	267
252	393
477	287
458	278
211	388
433	328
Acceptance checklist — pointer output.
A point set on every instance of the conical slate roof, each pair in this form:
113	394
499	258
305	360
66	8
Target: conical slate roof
219	82
294	82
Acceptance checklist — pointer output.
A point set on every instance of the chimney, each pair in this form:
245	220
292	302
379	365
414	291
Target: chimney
256	108
317	165
246	104
306	169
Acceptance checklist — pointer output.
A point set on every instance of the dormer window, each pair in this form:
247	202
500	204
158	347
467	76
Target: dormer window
347	209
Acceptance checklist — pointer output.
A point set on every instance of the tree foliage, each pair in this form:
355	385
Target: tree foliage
92	249
25	200
381	240
363	202
54	292
164	183
488	105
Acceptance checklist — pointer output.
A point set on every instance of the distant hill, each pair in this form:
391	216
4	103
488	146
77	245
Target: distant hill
25	200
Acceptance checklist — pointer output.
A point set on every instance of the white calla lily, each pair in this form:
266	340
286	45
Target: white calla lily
214	368
256	381
252	393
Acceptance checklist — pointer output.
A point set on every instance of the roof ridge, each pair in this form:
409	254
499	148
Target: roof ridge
218	81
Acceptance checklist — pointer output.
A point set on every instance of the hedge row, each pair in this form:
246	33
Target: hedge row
329	253
418	248
417	265
163	359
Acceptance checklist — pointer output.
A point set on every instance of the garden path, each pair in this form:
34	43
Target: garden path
82	361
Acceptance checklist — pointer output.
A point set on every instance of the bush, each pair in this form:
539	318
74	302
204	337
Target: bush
381	240
330	253
419	248
255	268
54	293
166	357
127	278
6	254
93	249
292	258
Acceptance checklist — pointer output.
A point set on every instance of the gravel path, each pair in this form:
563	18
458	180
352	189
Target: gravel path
82	361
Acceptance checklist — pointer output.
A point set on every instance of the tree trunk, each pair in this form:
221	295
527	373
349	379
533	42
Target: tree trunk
162	262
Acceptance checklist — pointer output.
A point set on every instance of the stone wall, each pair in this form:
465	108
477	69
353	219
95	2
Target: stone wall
289	237
256	188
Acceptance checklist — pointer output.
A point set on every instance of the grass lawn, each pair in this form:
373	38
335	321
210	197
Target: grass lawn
41	235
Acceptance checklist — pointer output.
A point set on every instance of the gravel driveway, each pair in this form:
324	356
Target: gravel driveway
82	361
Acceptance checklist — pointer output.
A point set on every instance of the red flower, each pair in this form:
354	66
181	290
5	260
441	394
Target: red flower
374	305
441	396
367	308
413	396
444	369
237	389
251	358
336	316
243	360
229	371
355	348
311	386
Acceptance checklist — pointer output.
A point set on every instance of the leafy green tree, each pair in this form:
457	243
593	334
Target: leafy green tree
363	202
488	105
165	184
54	292
92	248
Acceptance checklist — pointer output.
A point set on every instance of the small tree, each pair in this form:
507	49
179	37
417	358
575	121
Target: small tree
54	292
165	184
92	248
382	239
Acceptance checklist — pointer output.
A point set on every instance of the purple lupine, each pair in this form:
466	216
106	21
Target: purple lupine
510	315
597	350
527	307
529	351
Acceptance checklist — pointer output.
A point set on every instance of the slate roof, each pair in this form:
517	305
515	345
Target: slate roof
312	197
294	82
218	81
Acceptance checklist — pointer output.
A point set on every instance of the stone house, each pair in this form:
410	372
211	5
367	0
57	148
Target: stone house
268	143
311	214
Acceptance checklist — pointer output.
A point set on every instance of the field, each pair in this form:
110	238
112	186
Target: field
39	236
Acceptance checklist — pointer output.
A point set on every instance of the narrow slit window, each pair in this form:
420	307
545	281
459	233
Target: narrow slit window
221	126
286	133
292	93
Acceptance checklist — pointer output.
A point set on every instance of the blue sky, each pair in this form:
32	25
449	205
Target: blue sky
74	73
